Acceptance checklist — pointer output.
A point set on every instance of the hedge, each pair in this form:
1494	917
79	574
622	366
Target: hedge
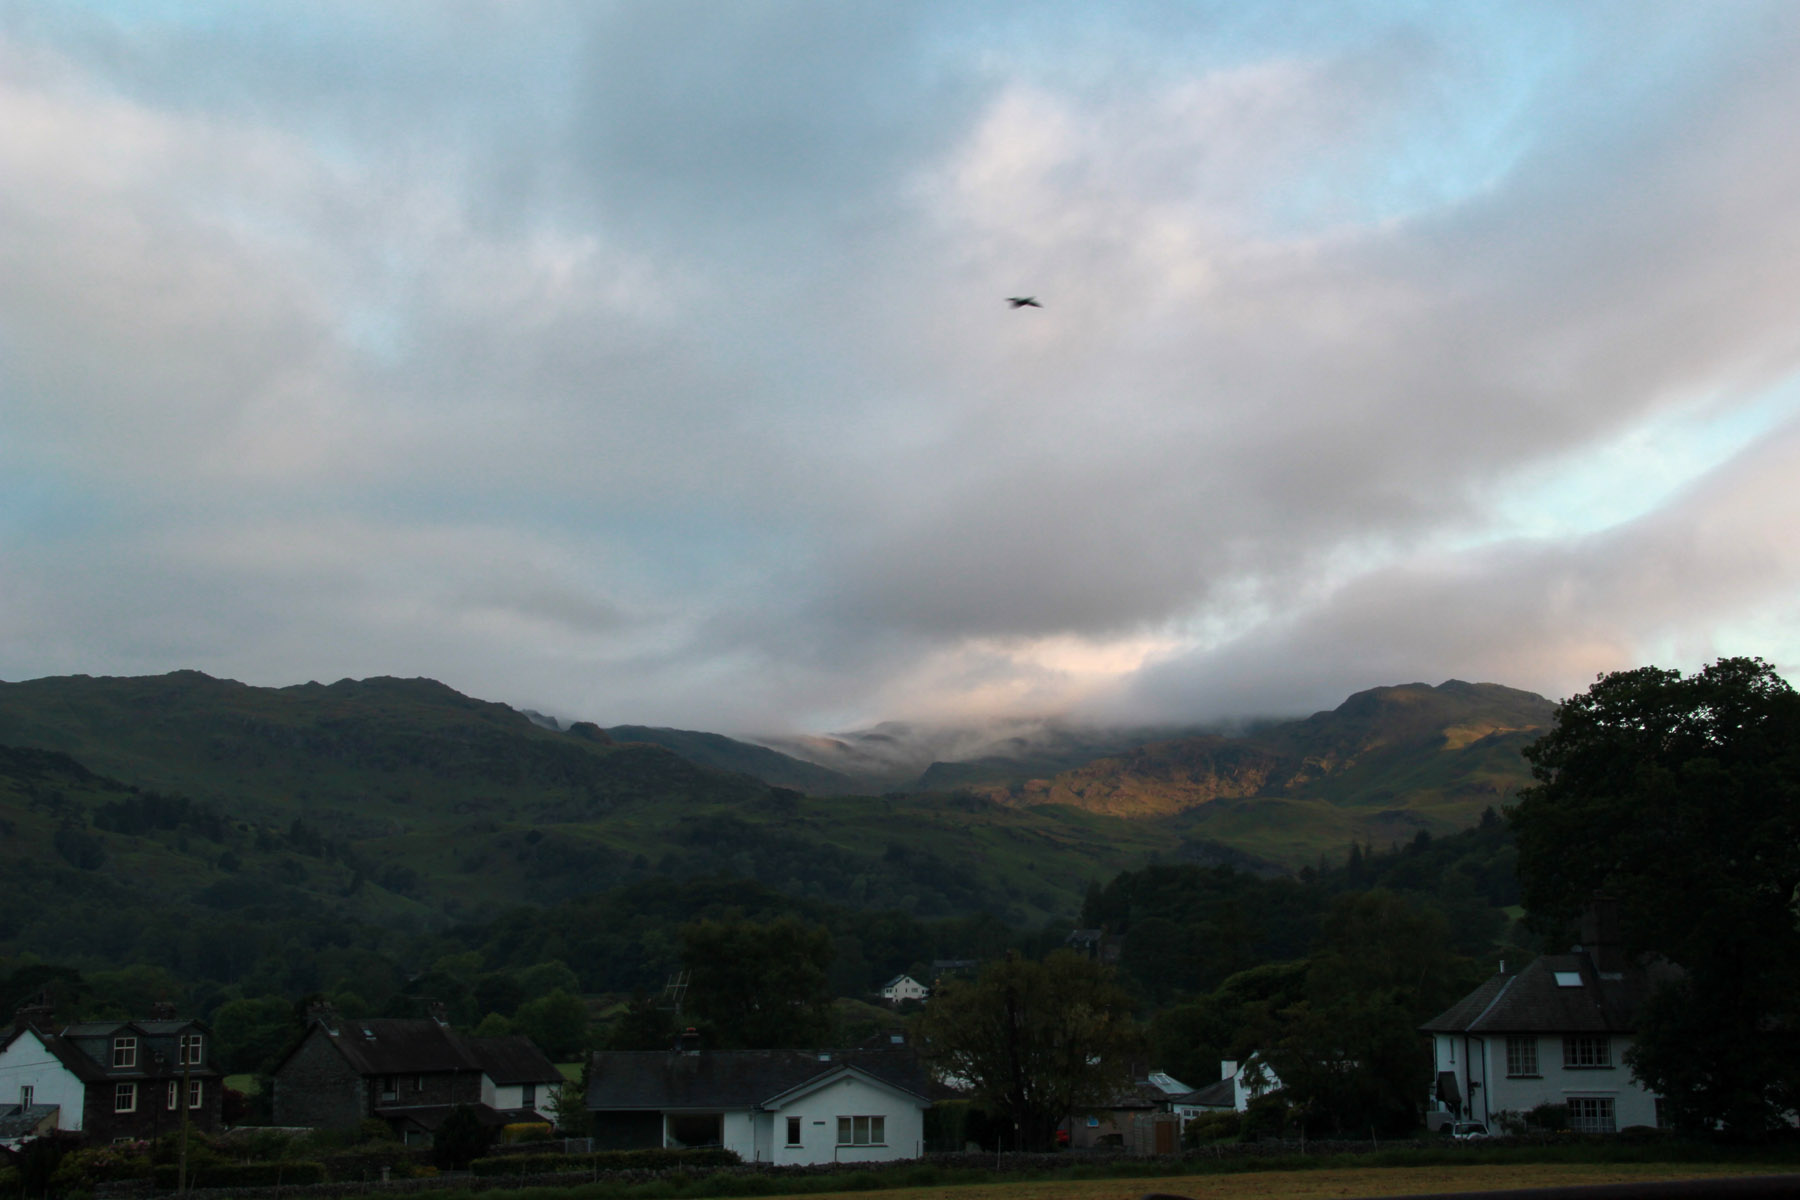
604	1160
245	1174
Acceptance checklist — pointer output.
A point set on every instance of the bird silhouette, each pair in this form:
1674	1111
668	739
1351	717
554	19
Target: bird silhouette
1023	302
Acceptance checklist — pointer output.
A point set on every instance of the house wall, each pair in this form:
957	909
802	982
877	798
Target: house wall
27	1062
627	1130
413	1089
1483	1060
152	1117
903	1117
504	1096
316	1089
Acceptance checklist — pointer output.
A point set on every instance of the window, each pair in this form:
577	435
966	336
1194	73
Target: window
1587	1052
174	1097
191	1049
124	1052
25	1095
1591	1114
1521	1056
862	1131
528	1095
125	1097
793	1131
196	1093
418	1083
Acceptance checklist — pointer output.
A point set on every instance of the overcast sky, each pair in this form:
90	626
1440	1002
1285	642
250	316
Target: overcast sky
650	362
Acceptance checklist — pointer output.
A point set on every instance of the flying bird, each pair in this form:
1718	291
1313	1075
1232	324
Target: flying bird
1023	302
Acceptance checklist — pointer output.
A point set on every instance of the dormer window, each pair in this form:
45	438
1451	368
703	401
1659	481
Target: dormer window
124	1052
191	1050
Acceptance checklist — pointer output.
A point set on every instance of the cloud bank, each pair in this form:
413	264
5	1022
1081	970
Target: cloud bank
649	362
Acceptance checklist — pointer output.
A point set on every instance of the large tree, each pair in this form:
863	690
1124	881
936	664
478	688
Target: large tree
1035	1041
1679	797
759	986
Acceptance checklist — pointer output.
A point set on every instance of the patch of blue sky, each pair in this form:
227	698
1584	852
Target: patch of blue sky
44	509
1600	487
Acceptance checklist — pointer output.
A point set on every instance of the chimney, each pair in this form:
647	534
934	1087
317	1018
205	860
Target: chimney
690	1040
438	1011
323	1012
162	1010
33	1016
1600	935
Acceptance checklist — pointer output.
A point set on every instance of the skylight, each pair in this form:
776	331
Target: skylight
1568	979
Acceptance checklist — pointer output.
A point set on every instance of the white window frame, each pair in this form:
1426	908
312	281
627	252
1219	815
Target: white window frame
124	1052
1586	1052
125	1097
191	1050
196	1093
26	1092
174	1097
1522	1056
1593	1114
862	1131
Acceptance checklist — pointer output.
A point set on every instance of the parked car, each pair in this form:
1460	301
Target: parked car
1469	1129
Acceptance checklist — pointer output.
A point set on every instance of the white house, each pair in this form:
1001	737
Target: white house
904	987
1553	1033
788	1107
1238	1084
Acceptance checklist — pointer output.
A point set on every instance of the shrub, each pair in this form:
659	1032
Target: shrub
250	1174
604	1160
525	1131
1553	1117
1212	1127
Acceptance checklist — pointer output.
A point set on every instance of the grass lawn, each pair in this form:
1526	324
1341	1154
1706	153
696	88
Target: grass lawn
1336	1182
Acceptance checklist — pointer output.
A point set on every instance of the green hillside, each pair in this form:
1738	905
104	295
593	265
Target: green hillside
1378	768
190	802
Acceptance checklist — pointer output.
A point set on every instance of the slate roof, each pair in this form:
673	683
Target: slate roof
399	1046
732	1079
23	1121
511	1060
1222	1094
1532	1001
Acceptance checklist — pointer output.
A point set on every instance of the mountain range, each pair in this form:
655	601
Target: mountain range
402	800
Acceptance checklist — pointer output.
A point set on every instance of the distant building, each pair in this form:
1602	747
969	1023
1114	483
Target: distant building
902	988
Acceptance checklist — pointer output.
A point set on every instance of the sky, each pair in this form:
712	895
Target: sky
651	362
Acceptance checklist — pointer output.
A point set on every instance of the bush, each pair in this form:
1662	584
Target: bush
525	1131
1264	1117
1212	1127
604	1160
459	1139
1552	1117
250	1174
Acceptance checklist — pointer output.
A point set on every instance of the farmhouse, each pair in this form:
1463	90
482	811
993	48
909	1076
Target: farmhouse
902	988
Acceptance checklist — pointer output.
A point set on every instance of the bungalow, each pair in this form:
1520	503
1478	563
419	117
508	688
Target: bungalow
1555	1032
411	1073
109	1080
773	1106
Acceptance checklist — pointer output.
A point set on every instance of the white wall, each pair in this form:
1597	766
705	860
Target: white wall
27	1062
903	1118
512	1095
1554	1084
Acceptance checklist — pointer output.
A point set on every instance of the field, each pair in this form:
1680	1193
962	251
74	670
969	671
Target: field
1335	1182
